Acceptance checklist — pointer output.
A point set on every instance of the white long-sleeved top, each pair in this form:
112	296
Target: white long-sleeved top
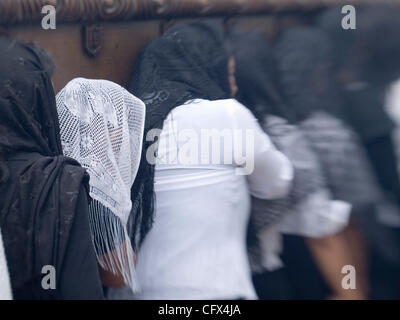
197	246
5	288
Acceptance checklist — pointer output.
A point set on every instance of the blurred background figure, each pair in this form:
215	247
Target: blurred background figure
310	209
366	64
314	215
305	69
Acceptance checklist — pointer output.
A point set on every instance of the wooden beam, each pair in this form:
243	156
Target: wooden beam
14	12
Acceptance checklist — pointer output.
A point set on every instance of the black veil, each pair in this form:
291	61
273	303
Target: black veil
40	187
188	62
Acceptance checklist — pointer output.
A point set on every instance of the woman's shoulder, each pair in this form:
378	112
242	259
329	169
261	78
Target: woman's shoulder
224	113
230	103
224	105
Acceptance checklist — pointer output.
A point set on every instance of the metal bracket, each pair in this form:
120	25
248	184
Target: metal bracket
92	39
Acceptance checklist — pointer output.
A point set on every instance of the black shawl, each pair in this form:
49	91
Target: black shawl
38	196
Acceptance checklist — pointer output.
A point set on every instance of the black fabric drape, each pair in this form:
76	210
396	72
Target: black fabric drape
40	188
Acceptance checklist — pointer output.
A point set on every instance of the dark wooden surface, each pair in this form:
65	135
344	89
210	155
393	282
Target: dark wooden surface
72	11
128	24
121	44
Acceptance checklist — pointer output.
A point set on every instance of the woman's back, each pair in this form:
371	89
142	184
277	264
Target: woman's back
196	249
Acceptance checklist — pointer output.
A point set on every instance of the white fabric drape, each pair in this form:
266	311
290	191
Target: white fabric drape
101	126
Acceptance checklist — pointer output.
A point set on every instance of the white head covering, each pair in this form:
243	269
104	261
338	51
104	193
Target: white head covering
5	288
101	126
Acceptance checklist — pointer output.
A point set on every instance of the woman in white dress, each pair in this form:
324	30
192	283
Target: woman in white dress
211	155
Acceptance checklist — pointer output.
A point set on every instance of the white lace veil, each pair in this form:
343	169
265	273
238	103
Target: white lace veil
101	127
